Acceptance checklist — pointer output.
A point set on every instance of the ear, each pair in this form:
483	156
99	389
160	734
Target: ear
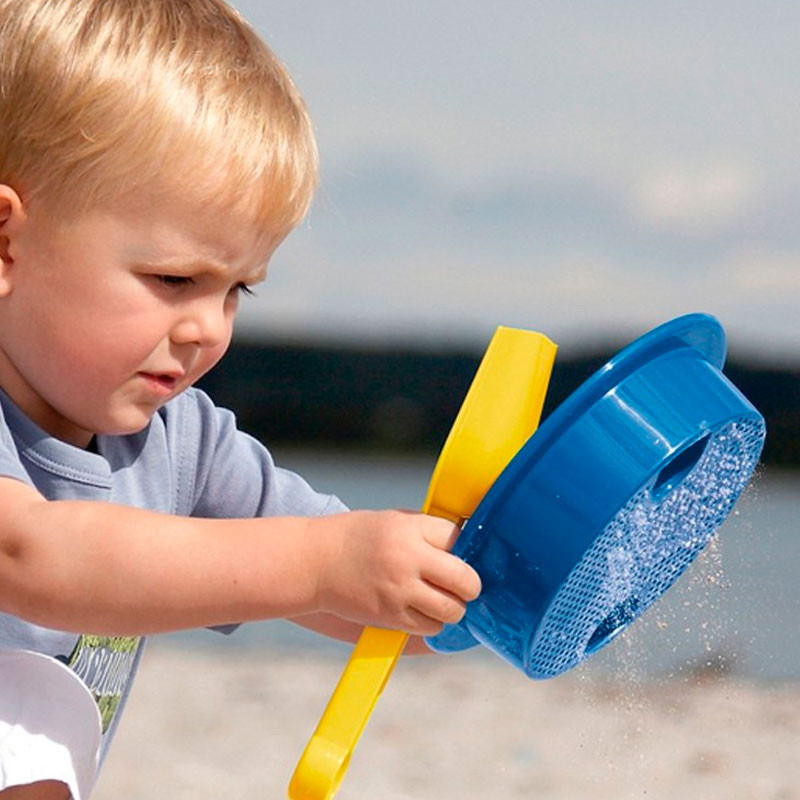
12	213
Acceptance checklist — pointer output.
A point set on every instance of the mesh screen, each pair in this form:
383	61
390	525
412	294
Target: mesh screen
643	550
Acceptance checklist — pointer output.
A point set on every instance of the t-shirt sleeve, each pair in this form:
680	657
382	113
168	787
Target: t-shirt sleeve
236	476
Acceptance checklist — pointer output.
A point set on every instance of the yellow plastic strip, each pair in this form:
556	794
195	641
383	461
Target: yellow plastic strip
500	411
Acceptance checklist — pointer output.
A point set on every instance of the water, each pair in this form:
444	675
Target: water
736	609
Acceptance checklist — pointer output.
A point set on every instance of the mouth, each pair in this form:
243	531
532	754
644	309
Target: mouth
162	383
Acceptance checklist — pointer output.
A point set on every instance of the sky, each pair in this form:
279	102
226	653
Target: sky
585	169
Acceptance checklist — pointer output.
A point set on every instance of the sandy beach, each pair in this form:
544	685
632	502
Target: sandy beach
211	725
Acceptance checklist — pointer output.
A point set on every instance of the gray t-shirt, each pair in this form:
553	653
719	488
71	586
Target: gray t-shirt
191	460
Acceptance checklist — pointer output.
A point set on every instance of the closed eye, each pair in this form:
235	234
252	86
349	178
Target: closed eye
175	280
244	289
178	281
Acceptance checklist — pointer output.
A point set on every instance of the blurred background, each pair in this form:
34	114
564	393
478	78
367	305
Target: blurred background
588	170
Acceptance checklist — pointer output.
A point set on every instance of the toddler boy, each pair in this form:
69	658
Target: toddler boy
153	154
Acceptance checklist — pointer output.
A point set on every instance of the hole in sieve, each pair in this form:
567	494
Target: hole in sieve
618	619
678	468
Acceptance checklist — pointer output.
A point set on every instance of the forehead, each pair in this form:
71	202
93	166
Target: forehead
175	232
179	233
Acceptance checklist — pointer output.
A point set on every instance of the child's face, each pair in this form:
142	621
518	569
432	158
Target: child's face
104	319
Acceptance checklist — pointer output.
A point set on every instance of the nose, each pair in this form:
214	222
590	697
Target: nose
205	321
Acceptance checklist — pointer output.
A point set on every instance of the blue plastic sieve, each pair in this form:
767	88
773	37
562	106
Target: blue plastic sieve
609	501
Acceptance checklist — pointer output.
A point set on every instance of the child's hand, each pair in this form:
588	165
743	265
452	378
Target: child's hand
392	569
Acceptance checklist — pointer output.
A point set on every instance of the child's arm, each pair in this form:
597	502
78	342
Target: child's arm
116	570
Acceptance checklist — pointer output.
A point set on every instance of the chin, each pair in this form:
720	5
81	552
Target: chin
125	425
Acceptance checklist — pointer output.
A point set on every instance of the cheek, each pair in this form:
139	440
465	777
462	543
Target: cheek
102	351
91	320
65	339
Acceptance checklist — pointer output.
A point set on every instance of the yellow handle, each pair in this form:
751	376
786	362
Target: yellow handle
327	755
499	413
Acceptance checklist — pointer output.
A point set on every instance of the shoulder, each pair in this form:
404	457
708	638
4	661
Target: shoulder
233	474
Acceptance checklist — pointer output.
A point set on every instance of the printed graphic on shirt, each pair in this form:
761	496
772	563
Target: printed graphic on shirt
104	664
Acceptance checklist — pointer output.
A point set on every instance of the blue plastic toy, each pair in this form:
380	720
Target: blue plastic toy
609	501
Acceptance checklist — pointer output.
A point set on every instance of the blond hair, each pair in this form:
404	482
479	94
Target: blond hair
102	98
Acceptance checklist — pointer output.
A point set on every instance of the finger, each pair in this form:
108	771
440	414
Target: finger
442	534
453	575
420	624
440	605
